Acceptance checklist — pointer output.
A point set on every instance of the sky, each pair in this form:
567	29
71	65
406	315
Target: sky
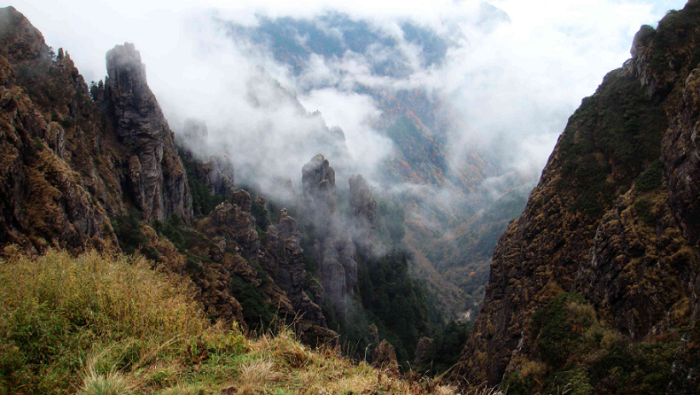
515	81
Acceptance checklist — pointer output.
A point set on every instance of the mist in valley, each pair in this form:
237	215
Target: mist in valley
450	107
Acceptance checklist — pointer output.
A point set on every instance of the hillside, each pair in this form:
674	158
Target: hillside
99	168
593	288
110	324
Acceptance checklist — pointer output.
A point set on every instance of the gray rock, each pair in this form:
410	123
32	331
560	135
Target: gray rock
336	252
158	182
364	216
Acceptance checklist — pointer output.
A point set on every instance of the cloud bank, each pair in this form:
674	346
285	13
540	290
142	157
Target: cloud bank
507	73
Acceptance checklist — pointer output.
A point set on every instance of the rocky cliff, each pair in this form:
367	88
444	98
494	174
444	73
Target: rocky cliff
71	162
155	179
271	269
608	241
364	216
333	246
98	167
58	186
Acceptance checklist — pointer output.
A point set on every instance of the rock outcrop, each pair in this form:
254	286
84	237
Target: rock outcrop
334	248
58	184
233	219
240	248
156	178
319	192
364	216
283	259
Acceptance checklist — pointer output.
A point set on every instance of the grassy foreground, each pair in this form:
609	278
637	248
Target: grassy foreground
100	324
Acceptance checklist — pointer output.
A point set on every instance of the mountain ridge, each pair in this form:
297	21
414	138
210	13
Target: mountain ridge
609	220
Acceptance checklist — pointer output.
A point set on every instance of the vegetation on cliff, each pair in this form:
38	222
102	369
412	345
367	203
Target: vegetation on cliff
592	288
581	356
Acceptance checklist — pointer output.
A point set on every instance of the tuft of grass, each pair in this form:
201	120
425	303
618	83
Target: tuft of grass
112	383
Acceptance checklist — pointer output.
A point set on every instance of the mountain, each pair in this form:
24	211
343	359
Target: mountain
593	289
442	191
98	170
66	165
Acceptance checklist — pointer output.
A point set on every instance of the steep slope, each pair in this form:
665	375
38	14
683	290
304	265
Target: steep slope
83	172
67	165
110	324
156	179
612	219
105	173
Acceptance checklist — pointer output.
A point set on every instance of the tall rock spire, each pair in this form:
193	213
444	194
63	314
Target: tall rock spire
336	250
156	177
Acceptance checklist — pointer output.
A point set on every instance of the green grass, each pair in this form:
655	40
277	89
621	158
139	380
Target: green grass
57	310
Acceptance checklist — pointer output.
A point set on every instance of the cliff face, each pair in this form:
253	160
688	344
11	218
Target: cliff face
364	213
53	194
155	178
68	165
80	171
274	266
613	218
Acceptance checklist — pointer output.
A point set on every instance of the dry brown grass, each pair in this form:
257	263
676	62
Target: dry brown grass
143	333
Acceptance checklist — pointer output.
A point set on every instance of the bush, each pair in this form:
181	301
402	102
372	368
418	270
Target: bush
645	34
448	344
645	211
517	385
651	178
173	231
557	332
127	228
258	314
38	144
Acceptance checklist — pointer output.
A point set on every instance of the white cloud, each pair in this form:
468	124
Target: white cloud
516	81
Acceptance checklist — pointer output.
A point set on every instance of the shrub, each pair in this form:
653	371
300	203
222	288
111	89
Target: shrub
557	330
257	313
651	178
517	385
645	210
645	34
38	144
127	228
173	231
